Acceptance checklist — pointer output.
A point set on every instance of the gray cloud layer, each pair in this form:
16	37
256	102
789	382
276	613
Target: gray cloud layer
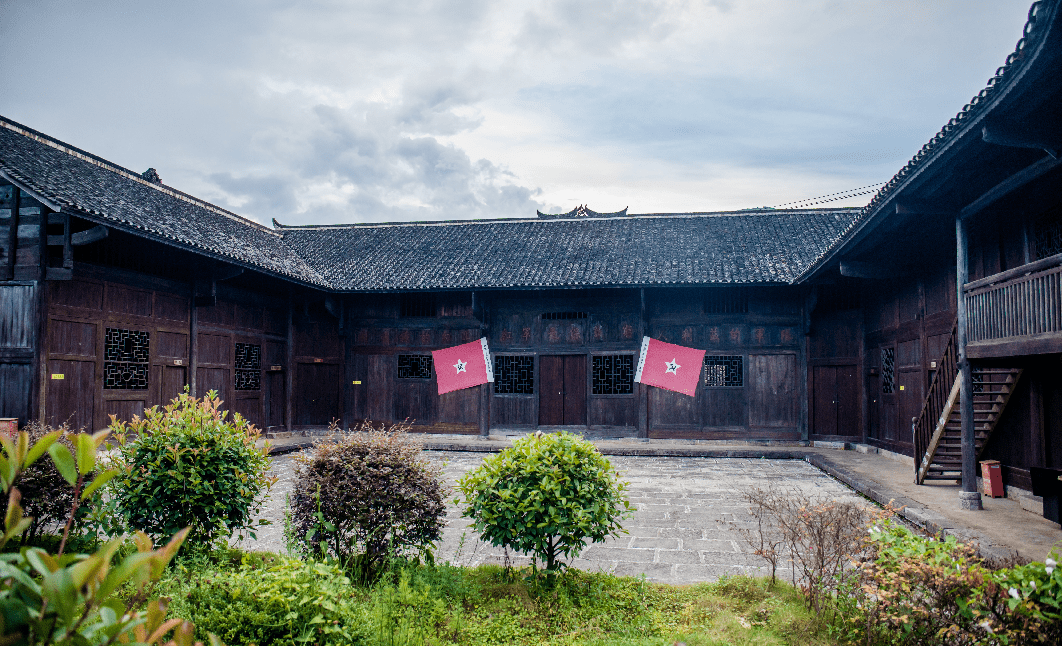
332	111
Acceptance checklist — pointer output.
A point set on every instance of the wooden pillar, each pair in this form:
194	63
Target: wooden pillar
479	312
642	389
969	497
289	369
12	234
193	344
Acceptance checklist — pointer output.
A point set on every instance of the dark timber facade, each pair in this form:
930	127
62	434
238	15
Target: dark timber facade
927	323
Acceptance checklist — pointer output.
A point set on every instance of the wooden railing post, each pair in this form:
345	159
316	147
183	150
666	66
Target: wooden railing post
969	497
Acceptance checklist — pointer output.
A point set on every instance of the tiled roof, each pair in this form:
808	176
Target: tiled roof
586	249
107	193
654	249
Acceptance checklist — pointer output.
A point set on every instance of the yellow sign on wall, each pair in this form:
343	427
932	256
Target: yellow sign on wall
58	376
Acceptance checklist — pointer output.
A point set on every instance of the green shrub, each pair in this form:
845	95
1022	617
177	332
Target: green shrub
546	495
289	602
186	466
66	598
367	496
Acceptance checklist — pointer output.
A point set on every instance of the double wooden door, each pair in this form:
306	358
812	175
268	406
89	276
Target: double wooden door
835	402
562	399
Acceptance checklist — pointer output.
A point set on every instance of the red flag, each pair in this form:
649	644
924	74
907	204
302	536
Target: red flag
463	366
670	366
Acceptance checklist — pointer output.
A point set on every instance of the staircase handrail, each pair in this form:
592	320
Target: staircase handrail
936	402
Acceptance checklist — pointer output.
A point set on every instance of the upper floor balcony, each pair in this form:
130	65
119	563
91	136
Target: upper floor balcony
1016	312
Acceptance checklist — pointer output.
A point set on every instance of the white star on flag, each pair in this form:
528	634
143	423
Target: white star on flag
672	367
460	365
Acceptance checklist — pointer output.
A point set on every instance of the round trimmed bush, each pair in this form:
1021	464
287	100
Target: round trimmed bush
546	495
367	496
185	465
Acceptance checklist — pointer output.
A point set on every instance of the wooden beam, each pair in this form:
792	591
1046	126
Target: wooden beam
1040	139
1046	343
860	269
1015	181
95	234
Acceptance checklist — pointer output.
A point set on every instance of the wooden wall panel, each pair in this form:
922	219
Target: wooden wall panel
772	390
171	308
71	393
171	382
18	323
219	379
415	401
72	338
123	409
125	300
171	345
215	349
317	388
613	411
460	407
724	407
16	384
512	411
673	410
81	294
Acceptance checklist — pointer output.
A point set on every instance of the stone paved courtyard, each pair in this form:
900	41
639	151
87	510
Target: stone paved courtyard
682	531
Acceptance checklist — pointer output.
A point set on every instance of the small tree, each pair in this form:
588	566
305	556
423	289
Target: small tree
546	495
186	466
366	496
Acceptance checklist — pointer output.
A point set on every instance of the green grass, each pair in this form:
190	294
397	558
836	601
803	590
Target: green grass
264	598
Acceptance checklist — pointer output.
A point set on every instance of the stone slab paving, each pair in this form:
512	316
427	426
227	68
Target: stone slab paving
684	529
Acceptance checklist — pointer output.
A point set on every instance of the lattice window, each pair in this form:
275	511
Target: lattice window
514	375
126	358
724	371
414	366
248	372
564	316
1049	237
977	377
888	370
613	374
726	300
418	305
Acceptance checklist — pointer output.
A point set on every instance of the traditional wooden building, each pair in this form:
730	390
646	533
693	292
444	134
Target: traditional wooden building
117	291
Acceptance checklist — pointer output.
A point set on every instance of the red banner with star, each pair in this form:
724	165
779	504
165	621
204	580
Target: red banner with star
463	366
669	366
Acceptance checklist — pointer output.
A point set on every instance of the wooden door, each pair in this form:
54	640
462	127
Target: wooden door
317	388
772	390
835	400
562	397
824	400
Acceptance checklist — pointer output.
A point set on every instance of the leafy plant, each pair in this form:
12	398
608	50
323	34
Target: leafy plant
367	496
71	598
46	495
922	590
546	495
185	465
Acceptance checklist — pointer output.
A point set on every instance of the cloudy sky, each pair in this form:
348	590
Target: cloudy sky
322	111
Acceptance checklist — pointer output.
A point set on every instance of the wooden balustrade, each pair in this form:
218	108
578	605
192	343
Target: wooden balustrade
1023	301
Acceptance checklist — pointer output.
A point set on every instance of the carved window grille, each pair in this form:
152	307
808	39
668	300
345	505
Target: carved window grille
726	300
126	359
613	374
514	375
724	371
248	372
418	305
414	366
564	316
888	370
1049	237
978	378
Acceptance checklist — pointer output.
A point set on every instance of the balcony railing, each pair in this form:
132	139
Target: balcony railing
1023	301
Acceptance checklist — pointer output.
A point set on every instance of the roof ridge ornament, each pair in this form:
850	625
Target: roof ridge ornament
582	211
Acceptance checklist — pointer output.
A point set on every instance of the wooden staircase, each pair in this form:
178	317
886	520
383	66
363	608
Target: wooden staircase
938	430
